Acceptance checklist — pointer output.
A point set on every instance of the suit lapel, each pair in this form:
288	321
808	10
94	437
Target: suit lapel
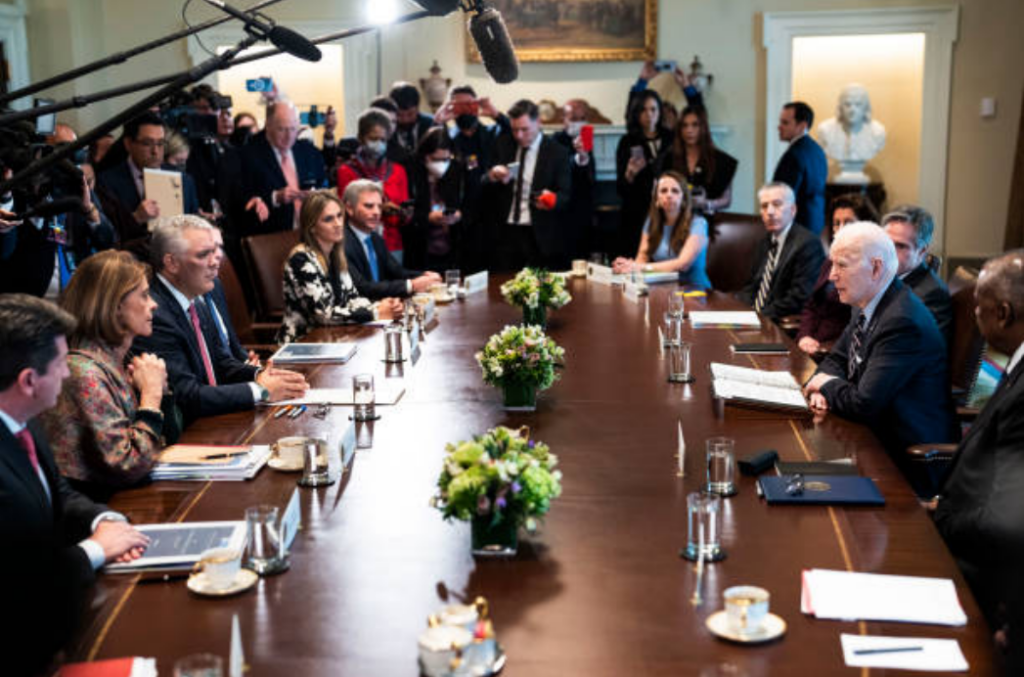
14	457
361	262
184	325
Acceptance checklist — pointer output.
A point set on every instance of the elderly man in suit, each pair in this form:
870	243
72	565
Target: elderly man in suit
980	510
53	537
206	379
888	369
803	167
530	187
788	259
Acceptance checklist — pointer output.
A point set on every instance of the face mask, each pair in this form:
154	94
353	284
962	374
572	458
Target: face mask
376	149
438	168
466	122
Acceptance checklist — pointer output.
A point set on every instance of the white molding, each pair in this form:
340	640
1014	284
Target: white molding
15	37
359	57
940	27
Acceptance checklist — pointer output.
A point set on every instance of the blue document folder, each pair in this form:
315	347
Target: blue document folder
822	490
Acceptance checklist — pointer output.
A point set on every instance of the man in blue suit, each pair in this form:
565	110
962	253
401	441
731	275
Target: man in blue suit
803	167
888	369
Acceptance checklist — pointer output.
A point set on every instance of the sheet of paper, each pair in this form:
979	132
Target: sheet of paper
724	318
775	379
198	453
165	187
936	655
843	595
386	394
736	390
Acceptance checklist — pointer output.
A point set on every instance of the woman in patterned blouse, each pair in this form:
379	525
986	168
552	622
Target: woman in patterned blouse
318	290
106	430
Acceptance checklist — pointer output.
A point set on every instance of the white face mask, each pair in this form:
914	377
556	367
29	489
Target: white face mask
438	168
376	149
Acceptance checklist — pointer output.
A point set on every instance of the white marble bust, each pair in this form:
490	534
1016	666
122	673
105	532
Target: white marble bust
851	137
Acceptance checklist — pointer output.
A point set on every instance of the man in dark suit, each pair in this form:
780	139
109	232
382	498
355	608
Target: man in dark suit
910	228
53	537
217	303
125	181
206	380
277	172
803	167
529	189
888	369
788	260
411	123
584	178
980	510
375	272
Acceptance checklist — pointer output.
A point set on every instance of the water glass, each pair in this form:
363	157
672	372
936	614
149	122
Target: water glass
453	280
264	552
672	330
721	459
364	397
315	464
393	342
199	665
703	527
676	305
679	362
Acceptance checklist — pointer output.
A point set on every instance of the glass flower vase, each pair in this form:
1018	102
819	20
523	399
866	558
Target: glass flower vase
492	539
535	316
519	397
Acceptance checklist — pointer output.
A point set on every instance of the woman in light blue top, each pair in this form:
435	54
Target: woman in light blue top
674	239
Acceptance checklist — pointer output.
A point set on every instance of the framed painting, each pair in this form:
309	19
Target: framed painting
578	30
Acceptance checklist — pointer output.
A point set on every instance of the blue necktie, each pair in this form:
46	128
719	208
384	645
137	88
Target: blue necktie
371	256
65	269
217	320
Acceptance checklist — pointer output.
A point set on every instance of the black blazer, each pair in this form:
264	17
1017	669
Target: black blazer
901	387
47	574
552	172
452	190
118	182
636	196
234	346
581	207
804	168
795	273
261	175
982	503
392	274
174	340
933	291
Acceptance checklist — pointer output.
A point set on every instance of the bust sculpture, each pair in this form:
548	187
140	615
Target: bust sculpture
851	137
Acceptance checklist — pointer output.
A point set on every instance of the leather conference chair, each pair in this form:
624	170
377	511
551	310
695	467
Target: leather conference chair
257	336
960	278
733	245
266	256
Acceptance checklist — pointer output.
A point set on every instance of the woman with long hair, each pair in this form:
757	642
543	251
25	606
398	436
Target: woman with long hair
438	187
708	170
111	418
318	290
675	239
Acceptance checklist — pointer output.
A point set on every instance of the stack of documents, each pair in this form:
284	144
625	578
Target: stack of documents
754	387
851	596
724	319
210	462
314	353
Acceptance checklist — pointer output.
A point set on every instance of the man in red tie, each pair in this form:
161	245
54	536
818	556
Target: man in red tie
206	379
53	537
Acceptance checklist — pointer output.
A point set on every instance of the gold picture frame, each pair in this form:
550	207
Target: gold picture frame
537	37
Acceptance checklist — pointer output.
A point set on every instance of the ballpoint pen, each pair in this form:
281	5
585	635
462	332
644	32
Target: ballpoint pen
283	410
299	411
232	454
895	649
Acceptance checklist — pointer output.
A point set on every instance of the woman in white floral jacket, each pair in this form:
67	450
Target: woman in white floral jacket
318	290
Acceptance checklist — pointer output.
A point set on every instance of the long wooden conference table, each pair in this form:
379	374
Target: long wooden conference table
600	589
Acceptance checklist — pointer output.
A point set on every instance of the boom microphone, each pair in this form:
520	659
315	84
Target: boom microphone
283	38
44	210
495	45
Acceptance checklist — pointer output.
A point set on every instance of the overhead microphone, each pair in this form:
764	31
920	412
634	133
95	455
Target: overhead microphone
283	38
44	210
494	44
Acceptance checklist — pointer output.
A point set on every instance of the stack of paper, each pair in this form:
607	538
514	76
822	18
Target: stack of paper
112	667
203	462
774	389
314	353
843	595
724	319
387	393
903	653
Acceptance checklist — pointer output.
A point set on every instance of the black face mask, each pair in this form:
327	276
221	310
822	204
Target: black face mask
466	122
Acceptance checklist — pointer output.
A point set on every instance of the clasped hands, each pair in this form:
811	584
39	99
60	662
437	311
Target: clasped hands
282	384
624	265
812	390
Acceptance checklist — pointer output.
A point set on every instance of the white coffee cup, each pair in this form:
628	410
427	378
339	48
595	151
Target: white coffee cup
220	566
437	647
461	615
746	607
291	450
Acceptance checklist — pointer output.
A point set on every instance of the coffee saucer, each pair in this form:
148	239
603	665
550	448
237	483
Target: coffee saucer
278	463
200	584
772	628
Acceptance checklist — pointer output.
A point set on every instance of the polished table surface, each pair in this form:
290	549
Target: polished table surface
600	589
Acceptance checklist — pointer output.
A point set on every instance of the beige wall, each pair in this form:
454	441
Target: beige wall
726	35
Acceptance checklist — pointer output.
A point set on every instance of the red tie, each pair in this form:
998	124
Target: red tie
25	437
194	315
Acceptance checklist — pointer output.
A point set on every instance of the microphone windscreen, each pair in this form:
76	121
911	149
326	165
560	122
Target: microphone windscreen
61	205
293	43
495	45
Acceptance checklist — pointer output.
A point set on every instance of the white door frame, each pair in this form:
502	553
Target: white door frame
14	36
940	27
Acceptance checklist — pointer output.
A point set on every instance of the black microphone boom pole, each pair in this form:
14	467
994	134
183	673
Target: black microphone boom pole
281	37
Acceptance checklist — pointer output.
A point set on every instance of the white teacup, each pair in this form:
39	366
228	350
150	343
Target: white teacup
291	450
437	647
462	615
746	607
220	566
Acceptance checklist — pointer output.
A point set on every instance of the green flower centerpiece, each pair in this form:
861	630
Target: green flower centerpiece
499	481
520	361
535	290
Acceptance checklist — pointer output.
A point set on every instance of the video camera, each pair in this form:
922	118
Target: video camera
179	113
20	146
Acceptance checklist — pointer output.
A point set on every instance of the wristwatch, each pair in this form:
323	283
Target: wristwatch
264	393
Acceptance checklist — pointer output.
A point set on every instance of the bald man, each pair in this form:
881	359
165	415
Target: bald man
980	510
888	369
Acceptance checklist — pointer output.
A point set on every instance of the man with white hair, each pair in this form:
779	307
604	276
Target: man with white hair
206	380
888	369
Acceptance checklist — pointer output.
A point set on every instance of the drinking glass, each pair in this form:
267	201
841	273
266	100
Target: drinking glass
364	397
264	552
721	459
199	665
453	279
679	362
703	527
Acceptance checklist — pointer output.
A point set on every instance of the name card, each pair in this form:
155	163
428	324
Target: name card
633	291
600	274
476	283
414	337
291	520
348	444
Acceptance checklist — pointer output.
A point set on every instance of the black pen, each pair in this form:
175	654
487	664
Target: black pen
230	455
895	649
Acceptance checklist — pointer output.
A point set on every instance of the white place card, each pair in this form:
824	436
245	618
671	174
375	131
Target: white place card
634	292
236	660
348	444
291	520
599	274
476	282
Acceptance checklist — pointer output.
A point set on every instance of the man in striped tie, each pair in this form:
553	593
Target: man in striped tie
788	259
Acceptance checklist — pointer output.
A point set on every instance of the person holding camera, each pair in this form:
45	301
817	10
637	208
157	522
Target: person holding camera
438	186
